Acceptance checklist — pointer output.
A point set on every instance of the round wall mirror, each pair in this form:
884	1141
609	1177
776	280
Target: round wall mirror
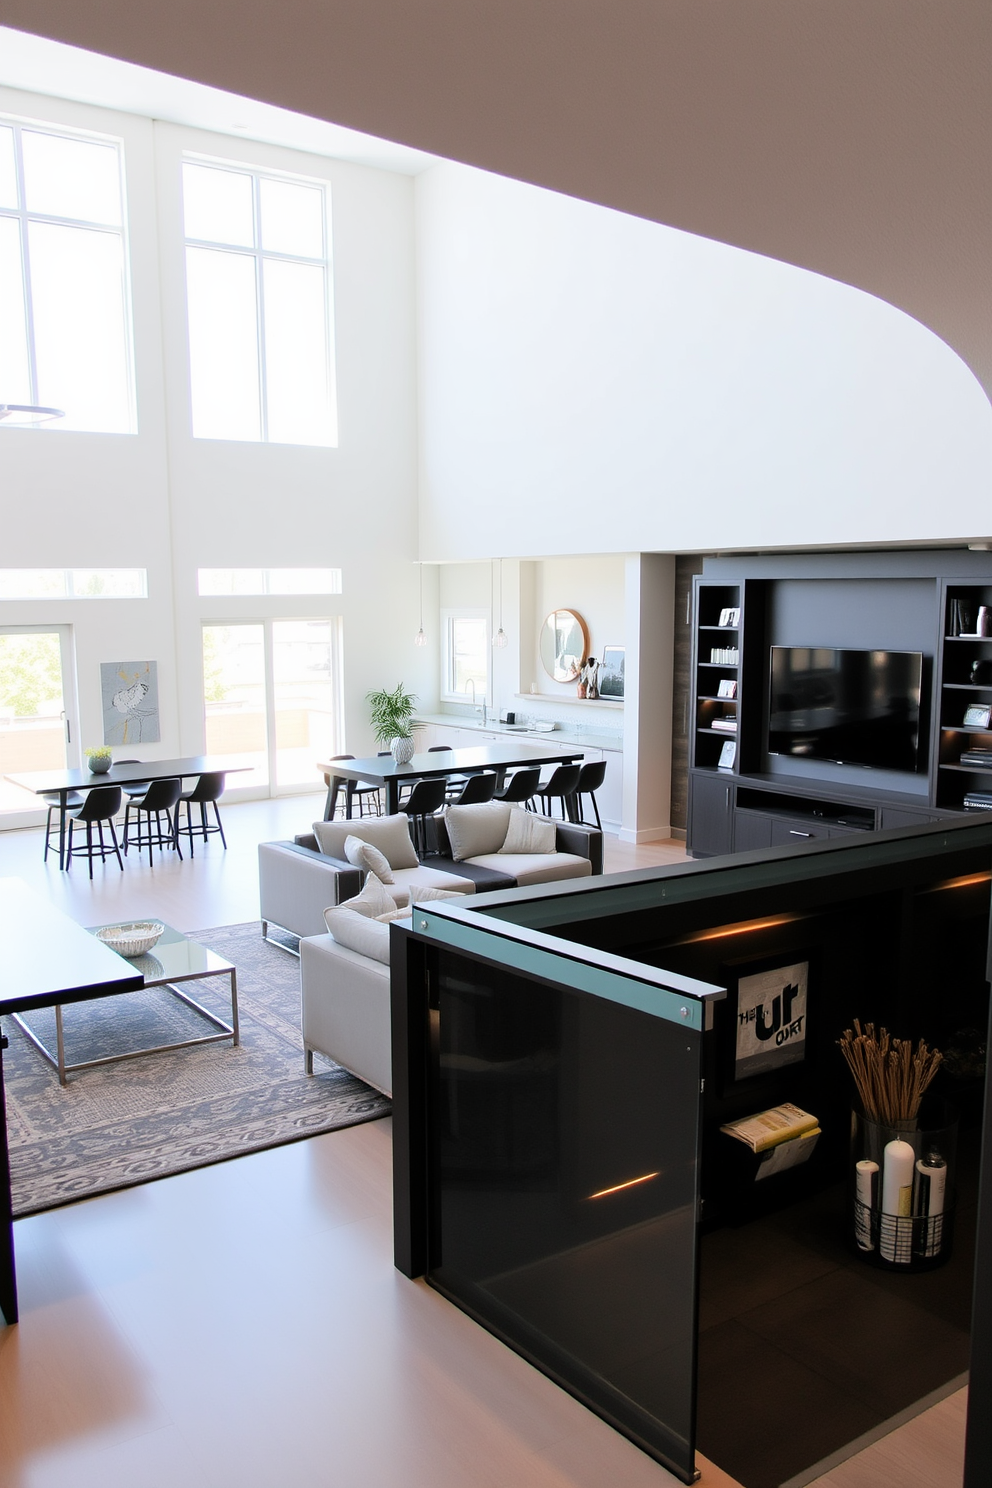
564	645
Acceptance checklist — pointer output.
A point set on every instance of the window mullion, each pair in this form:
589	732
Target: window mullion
263	386
26	267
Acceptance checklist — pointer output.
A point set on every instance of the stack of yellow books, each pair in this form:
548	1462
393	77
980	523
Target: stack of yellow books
770	1128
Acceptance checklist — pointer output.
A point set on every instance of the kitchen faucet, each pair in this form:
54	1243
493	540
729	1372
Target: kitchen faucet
475	706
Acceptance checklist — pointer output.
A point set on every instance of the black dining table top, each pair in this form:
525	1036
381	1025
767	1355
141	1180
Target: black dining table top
46	958
41	781
382	768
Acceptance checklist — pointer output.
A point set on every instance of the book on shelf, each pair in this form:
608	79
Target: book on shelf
724	725
728	755
769	1128
978	801
981	757
724	655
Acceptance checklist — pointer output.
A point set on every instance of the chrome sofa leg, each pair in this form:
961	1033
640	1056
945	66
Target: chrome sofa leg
308	1061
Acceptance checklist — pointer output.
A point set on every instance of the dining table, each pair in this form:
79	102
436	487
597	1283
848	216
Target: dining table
383	770
62	783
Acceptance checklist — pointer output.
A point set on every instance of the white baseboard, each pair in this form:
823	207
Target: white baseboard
647	834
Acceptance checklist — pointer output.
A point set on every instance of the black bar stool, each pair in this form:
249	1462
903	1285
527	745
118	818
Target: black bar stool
426	797
591	778
353	791
100	805
208	790
477	790
522	786
161	797
561	787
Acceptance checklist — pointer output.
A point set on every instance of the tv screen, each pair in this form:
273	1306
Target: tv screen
851	707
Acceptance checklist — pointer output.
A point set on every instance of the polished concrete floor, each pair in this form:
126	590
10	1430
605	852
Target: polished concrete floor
242	1326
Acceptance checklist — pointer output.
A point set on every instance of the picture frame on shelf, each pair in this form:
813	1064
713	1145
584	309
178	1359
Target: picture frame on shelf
730	616
977	715
769	1000
611	673
727	687
728	755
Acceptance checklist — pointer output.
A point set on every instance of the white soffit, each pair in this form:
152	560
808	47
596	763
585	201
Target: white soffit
37	65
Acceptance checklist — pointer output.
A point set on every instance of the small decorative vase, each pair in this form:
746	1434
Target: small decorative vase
402	750
99	764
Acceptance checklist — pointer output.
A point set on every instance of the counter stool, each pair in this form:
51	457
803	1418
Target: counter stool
352	791
477	790
426	797
208	790
100	805
561	787
161	797
591	777
521	787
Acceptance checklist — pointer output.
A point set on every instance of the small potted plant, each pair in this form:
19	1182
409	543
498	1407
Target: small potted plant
391	716
99	759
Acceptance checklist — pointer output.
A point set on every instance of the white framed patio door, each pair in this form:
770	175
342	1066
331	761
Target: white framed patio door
39	728
272	698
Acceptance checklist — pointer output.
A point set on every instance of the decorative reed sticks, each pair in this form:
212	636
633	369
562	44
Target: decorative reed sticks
891	1079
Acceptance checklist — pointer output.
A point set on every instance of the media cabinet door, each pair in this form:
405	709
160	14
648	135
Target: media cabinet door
710	823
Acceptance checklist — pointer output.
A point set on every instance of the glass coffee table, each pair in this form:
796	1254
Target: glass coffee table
173	959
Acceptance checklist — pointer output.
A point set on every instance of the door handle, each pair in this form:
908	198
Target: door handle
794	833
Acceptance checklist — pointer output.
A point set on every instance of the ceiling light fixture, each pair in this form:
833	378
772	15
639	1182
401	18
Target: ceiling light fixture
500	639
420	639
24	415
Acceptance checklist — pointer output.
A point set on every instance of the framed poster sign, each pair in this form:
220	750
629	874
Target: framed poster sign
770	1023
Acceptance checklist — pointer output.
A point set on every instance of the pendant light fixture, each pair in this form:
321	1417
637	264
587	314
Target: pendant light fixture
500	639
24	415
420	639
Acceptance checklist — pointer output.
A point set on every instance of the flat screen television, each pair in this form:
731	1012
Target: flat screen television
850	707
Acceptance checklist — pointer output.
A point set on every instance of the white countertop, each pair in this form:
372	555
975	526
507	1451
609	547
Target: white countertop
563	734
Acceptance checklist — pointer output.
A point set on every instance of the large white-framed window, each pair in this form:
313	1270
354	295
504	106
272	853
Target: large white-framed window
258	305
65	301
464	654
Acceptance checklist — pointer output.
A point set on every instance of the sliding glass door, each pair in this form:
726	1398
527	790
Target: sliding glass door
271	699
37	713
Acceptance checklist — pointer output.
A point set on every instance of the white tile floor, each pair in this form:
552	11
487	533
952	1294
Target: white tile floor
243	1326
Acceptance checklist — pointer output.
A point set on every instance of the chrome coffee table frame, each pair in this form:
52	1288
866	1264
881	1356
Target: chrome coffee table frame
175	958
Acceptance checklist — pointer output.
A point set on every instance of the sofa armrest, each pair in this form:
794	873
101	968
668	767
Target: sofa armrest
296	886
585	842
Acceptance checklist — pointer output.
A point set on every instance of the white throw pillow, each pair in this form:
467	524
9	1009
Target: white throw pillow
356	932
390	834
366	855
423	893
528	833
474	830
397	914
375	899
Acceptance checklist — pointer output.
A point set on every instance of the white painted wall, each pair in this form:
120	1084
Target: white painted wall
162	500
594	382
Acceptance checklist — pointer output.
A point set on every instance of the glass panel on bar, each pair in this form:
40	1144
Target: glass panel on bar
303	656
32	723
234	697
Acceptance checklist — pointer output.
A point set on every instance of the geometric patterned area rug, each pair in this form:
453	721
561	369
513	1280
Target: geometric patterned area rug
145	1118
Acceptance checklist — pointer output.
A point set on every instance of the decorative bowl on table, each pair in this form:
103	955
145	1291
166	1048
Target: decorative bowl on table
133	939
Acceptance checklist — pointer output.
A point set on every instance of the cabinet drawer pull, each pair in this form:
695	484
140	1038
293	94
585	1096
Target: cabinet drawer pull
794	833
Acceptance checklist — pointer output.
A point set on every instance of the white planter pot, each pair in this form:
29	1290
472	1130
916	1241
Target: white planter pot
402	750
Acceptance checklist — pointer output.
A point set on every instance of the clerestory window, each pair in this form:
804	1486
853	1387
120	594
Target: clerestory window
258	301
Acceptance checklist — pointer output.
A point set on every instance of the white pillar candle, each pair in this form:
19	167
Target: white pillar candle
895	1239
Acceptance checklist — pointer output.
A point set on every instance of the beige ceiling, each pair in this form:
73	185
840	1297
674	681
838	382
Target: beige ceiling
852	137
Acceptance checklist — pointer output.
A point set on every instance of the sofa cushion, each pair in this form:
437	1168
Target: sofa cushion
394	914
375	899
437	878
390	834
357	932
535	868
476	829
527	833
366	855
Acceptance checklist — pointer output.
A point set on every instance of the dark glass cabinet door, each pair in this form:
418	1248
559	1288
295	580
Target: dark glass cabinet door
564	1189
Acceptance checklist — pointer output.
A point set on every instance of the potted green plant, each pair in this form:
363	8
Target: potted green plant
391	715
99	759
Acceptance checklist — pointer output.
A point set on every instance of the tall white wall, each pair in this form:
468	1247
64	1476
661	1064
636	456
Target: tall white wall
592	382
167	502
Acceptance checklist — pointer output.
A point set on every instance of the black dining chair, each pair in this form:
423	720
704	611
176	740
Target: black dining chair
160	799
476	791
426	797
53	801
100	805
591	777
521	787
353	791
561	787
207	791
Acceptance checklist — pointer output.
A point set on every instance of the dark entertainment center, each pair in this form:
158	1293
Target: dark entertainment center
752	783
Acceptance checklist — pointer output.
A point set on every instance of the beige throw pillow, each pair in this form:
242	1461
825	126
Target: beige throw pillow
528	833
423	893
366	855
397	914
476	830
375	899
356	932
390	834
